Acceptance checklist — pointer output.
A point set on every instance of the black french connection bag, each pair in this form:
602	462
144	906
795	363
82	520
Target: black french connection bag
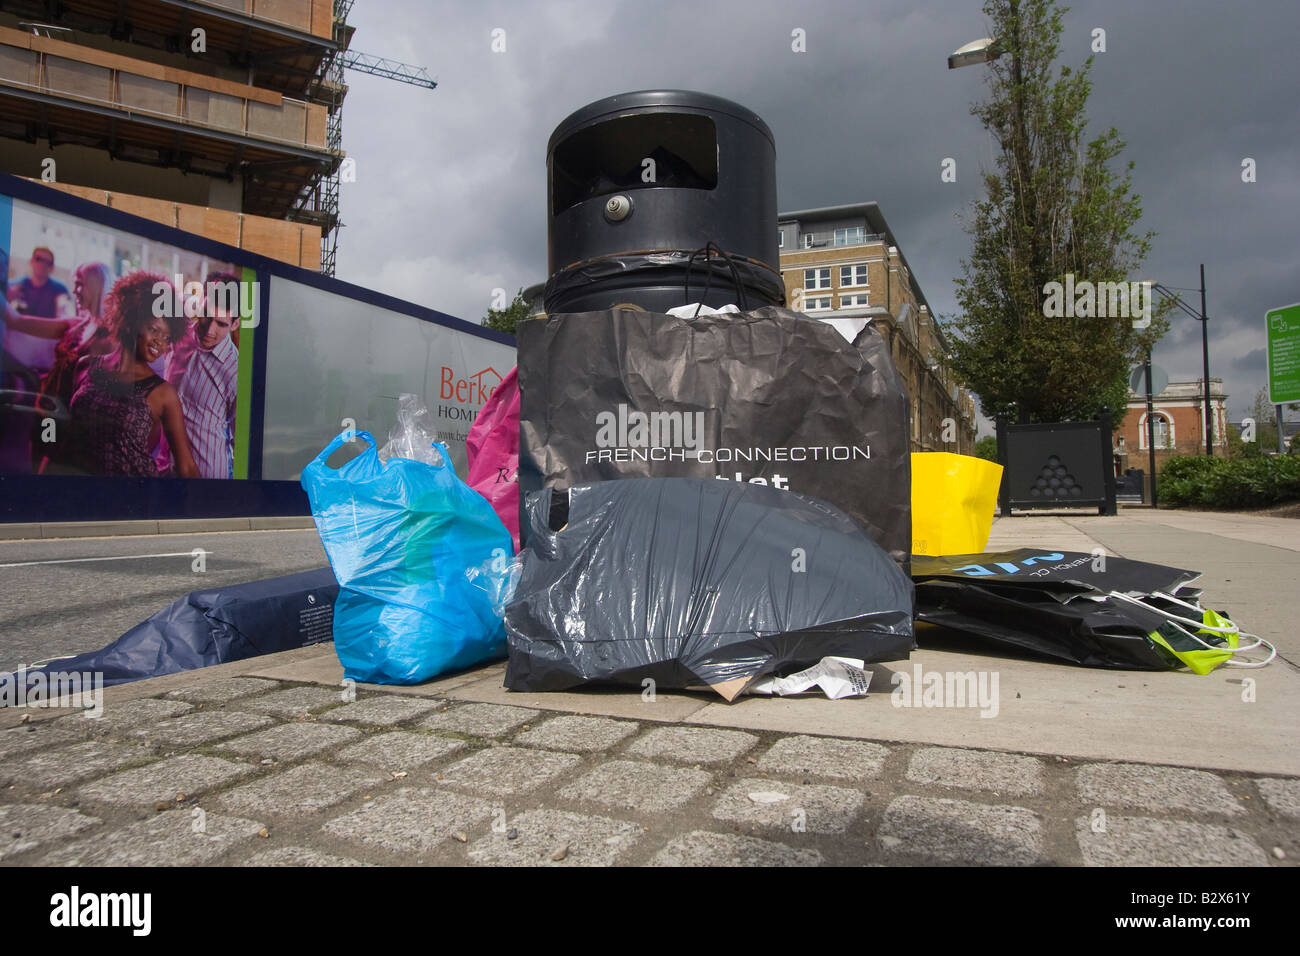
768	397
696	582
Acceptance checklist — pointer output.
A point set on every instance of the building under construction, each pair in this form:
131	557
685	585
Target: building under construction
222	118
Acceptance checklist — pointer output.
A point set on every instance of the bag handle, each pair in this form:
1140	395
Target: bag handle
342	440
1190	626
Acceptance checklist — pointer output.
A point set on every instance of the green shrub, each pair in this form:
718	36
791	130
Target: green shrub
1211	482
987	448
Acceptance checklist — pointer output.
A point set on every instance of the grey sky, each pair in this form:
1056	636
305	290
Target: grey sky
449	201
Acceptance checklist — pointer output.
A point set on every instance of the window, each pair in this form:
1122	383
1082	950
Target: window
817	304
817	278
1162	426
849	237
808	240
851	301
1162	431
780	238
853	275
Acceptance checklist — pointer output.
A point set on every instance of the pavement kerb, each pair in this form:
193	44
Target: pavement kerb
32	531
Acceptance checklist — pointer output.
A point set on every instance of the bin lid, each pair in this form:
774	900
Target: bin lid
654	101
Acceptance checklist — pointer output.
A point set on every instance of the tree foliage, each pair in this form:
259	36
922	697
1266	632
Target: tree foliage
1052	206
1265	418
507	319
987	447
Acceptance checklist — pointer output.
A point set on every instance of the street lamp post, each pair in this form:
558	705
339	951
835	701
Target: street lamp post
1205	350
978	51
1151	429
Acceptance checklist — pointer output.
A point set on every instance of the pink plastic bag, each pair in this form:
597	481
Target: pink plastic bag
493	451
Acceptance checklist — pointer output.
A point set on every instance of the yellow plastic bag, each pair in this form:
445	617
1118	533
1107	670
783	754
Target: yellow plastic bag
953	500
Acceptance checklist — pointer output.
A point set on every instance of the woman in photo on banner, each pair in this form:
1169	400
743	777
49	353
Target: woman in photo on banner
85	334
120	406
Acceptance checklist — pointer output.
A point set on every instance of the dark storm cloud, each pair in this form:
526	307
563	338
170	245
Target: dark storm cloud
449	201
1255	362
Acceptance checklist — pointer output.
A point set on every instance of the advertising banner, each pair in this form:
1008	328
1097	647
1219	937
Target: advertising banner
147	372
335	363
119	354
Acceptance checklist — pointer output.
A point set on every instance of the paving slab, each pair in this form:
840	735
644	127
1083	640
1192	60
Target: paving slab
164	781
483	720
694	745
196	729
65	766
829	757
581	734
635	785
121	719
306	789
704	848
1249	564
1058	709
506	770
1255	529
1282	796
794	808
223	691
400	750
164	685
555	838
998	773
36	736
411	821
1156	788
385	711
665	706
25	826
957	831
293	702
174	838
290	741
325	669
1147	841
1041	531
299	856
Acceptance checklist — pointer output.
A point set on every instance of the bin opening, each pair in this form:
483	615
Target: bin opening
609	157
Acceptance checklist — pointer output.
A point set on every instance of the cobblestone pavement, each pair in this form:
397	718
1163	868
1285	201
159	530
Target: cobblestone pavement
251	771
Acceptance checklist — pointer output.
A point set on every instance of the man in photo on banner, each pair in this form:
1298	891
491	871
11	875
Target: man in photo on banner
38	294
204	368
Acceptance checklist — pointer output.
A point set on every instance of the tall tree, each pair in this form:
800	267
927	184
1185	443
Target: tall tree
1052	206
1264	415
507	319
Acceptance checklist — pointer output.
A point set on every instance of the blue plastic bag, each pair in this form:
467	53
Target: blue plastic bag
420	559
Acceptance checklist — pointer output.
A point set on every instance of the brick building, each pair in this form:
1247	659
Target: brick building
843	262
1179	429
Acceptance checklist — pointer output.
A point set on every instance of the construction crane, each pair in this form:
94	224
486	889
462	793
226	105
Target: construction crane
378	66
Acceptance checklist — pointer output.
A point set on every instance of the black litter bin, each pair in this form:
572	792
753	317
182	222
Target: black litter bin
638	182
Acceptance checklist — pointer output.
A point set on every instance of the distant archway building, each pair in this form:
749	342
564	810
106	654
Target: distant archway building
1179	413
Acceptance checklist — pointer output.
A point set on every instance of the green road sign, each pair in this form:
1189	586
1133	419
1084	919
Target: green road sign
1282	327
